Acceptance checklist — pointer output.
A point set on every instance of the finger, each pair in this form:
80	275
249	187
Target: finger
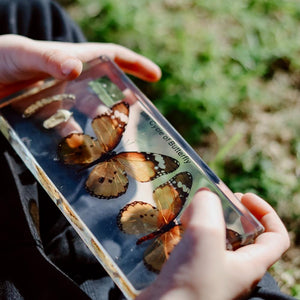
263	212
204	237
204	220
68	127
57	63
138	66
24	59
271	244
249	227
239	195
129	61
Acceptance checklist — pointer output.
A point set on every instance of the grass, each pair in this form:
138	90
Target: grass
230	85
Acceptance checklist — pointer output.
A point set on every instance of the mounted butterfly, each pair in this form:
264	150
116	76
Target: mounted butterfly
158	223
108	179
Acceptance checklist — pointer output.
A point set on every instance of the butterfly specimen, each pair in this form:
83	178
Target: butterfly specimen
158	223
108	179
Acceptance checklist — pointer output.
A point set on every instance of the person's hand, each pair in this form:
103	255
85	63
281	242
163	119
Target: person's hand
23	60
201	268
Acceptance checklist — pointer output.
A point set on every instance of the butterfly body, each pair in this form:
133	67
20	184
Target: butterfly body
167	227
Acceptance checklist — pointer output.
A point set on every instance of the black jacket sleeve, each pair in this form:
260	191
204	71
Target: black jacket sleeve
268	289
39	20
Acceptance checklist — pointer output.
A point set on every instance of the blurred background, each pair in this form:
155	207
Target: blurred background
230	86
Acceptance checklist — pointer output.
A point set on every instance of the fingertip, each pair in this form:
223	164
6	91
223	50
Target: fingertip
155	75
256	205
239	195
58	63
205	194
204	222
71	68
205	204
138	66
265	213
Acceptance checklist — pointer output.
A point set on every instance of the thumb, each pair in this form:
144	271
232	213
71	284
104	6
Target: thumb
195	261
204	220
204	234
23	59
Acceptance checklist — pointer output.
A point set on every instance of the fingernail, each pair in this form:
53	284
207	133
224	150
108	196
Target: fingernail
69	66
204	189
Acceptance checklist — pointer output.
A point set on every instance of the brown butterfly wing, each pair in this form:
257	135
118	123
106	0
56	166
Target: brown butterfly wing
137	218
119	109
171	196
110	127
107	180
145	167
79	148
140	217
160	249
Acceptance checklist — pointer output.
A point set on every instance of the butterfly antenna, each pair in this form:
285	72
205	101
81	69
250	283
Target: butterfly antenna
129	142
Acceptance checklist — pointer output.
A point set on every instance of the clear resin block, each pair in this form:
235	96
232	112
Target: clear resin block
119	172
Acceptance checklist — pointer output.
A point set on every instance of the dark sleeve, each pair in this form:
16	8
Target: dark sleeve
267	289
39	20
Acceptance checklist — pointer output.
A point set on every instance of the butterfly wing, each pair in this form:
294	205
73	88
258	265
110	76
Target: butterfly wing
110	126
107	180
82	149
160	249
141	218
79	148
171	196
137	218
144	167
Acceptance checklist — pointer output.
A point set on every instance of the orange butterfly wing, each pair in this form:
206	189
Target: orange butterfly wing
170	199
135	218
138	218
144	166
79	148
109	179
82	149
160	249
172	194
109	127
